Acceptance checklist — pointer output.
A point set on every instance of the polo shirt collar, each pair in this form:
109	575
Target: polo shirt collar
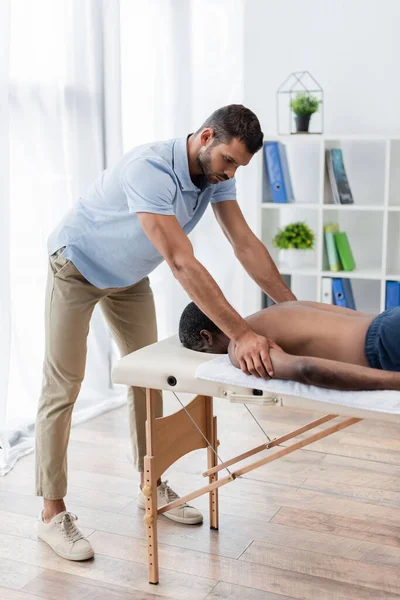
181	165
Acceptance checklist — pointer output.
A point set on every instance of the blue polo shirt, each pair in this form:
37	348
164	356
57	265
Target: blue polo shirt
102	234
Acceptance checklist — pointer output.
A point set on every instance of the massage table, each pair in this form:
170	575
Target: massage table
167	365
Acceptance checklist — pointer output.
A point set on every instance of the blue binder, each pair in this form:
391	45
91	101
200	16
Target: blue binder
338	292
348	294
392	294
342	293
286	172
278	172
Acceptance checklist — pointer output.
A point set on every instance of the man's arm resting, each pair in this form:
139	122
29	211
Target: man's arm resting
330	374
250	252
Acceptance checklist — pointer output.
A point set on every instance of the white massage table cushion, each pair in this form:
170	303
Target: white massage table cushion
167	365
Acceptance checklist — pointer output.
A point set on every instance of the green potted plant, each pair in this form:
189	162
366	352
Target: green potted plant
296	244
303	106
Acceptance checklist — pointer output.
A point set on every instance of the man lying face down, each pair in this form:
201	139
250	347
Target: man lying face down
314	343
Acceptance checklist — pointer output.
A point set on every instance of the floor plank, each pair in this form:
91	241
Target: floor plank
331	545
363	493
53	586
339	526
228	591
15	574
9	594
313	562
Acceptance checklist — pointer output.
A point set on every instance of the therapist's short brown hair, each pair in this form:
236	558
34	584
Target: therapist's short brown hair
235	121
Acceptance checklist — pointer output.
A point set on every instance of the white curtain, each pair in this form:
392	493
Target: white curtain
60	127
60	119
183	61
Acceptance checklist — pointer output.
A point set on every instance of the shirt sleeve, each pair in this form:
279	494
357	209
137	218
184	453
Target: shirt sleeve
226	190
149	186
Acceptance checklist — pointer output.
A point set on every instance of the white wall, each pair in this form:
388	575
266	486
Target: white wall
351	47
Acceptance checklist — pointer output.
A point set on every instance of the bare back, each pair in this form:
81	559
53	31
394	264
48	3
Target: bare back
313	329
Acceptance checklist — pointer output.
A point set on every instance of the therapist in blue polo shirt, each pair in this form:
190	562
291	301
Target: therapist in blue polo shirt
135	215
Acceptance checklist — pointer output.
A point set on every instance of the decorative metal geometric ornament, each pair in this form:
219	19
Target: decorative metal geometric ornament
298	82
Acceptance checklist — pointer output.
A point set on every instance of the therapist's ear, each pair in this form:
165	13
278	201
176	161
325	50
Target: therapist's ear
207	338
206	136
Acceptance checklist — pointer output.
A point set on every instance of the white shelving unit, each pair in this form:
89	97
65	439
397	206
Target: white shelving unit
372	223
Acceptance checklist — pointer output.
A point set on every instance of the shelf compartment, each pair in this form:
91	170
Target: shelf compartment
304	287
367	295
365	234
364	162
274	220
305	171
393	243
366	292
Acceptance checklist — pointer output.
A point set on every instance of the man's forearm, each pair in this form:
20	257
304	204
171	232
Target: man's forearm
204	292
258	263
336	375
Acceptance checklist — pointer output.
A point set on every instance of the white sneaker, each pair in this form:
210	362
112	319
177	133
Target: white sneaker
181	514
63	536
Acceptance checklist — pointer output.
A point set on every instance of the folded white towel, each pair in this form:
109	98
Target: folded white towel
221	369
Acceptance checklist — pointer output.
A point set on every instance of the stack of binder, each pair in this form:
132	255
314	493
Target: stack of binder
340	256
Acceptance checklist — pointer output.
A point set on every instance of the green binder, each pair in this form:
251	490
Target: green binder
345	253
333	256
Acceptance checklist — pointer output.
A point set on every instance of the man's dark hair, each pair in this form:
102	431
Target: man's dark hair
236	121
192	321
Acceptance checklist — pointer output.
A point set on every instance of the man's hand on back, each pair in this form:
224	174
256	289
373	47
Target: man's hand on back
252	353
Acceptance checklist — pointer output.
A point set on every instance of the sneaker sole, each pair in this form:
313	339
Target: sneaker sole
194	521
78	557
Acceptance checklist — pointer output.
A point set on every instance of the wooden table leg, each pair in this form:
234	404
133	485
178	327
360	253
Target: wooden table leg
212	461
150	490
162	450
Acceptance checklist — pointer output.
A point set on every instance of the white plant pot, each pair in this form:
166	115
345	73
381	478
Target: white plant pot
295	259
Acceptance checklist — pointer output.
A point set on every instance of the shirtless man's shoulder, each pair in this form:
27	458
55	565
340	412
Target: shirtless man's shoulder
314	329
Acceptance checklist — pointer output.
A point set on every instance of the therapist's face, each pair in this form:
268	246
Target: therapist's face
218	161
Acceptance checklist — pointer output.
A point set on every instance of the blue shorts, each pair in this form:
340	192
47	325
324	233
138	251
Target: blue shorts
382	342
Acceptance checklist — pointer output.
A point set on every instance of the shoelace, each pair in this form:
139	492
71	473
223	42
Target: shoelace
169	492
69	527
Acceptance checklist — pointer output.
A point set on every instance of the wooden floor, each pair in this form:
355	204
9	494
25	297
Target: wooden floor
323	523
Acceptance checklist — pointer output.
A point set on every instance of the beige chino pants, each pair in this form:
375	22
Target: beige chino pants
70	300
